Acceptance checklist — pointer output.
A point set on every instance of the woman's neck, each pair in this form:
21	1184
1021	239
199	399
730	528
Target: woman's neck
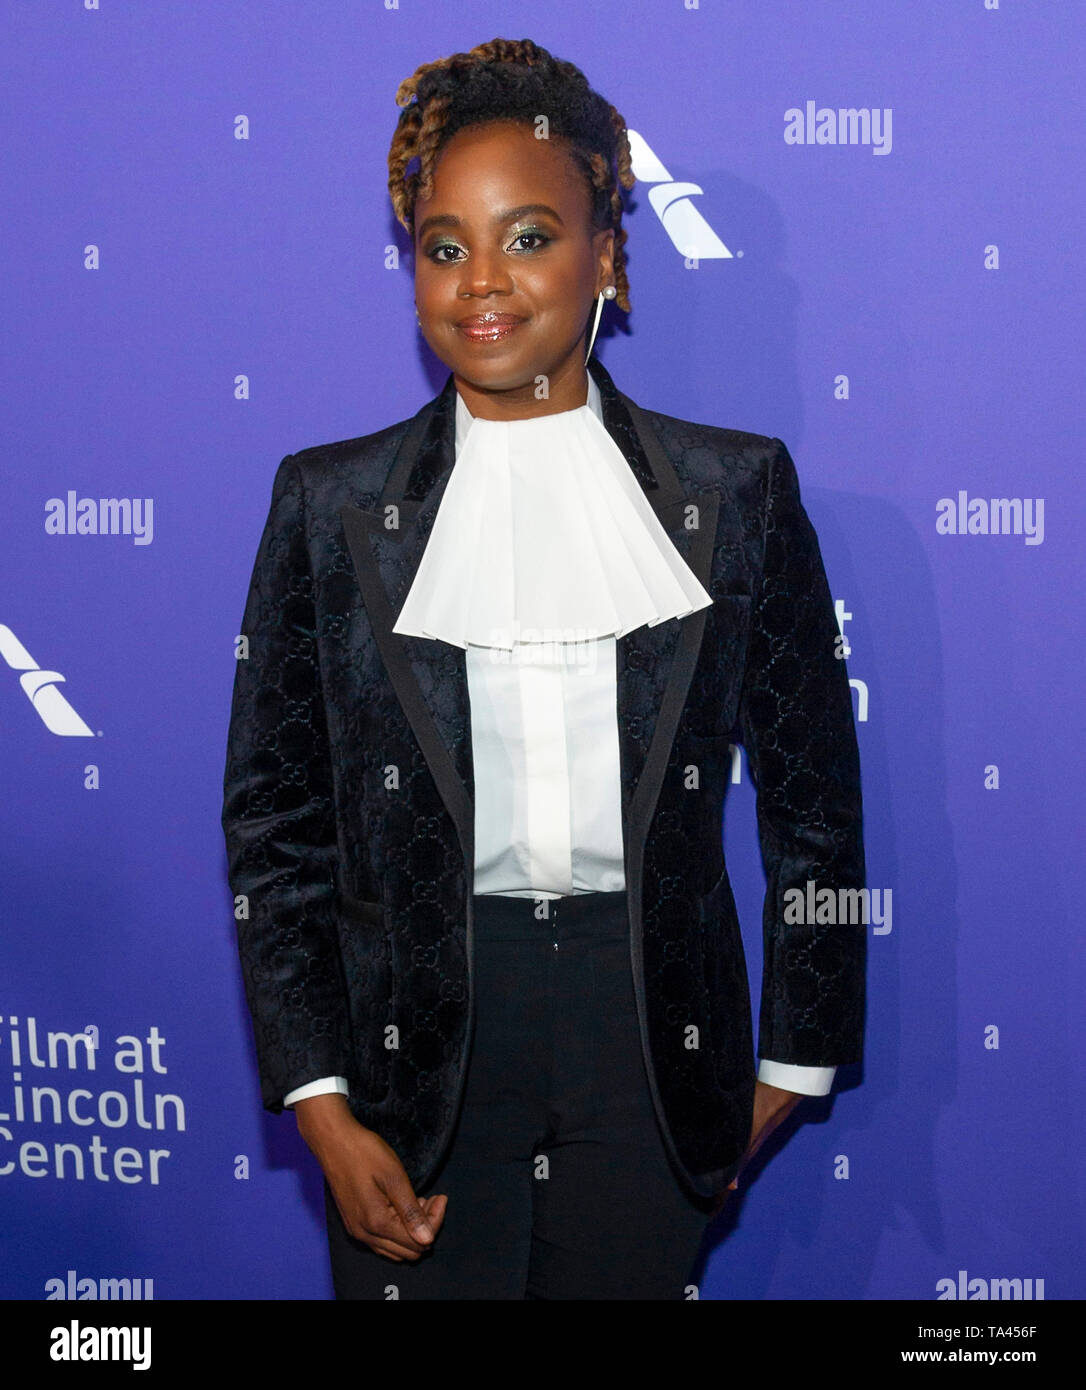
559	393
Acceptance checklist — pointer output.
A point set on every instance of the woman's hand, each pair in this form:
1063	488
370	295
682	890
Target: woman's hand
771	1106
371	1189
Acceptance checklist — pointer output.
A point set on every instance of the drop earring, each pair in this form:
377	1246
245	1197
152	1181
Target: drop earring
608	292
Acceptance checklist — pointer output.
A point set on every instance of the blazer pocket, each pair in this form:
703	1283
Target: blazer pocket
369	913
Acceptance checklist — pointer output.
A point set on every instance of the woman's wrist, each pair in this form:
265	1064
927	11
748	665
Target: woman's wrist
322	1117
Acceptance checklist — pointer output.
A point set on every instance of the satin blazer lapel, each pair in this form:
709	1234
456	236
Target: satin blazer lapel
655	664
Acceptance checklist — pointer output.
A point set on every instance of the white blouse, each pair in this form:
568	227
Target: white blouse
521	572
544	721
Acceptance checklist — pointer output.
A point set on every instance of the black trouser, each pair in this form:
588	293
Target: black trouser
557	1179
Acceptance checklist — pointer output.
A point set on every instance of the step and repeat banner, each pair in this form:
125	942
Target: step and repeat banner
855	227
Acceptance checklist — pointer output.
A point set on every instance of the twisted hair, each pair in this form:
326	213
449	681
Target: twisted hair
512	80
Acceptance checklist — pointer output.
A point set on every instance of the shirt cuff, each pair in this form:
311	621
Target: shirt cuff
325	1086
805	1081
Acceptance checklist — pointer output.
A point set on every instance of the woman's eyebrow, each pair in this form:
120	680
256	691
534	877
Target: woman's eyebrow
446	219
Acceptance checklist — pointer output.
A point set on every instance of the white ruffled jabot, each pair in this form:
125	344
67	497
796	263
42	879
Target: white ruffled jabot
543	534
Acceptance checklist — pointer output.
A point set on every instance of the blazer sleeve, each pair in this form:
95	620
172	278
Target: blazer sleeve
797	727
278	816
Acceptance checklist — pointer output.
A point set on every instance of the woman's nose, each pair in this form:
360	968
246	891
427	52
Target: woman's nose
486	273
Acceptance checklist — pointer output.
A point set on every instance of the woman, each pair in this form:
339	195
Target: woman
479	748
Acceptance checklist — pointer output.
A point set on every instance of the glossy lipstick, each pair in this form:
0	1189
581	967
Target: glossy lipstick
488	328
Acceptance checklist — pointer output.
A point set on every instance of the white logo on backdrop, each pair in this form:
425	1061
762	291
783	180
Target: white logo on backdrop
41	689
690	234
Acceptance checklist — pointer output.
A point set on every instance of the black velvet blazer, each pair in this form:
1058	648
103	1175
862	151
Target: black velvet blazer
353	883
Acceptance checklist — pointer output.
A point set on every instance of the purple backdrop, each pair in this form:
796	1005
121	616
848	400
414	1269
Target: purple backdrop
199	280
